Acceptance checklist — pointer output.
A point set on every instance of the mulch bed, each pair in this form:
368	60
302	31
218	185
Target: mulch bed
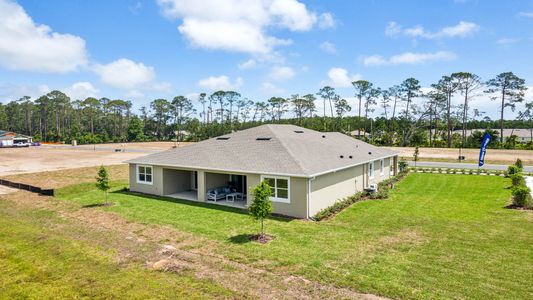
512	206
261	238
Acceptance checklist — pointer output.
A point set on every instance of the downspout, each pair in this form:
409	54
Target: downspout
309	195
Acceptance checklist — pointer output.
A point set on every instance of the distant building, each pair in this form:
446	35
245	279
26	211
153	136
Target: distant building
12	139
524	135
359	133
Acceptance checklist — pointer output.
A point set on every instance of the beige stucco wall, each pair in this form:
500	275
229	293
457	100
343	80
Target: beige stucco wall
175	181
156	188
329	188
298	196
325	189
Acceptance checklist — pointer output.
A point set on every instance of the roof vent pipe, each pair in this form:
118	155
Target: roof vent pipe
342	156
350	157
323	136
369	153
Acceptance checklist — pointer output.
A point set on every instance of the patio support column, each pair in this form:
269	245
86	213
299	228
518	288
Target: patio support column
201	186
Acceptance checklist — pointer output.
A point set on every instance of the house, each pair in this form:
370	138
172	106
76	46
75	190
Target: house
522	135
307	170
12	139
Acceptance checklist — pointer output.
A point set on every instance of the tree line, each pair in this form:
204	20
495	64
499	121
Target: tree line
409	115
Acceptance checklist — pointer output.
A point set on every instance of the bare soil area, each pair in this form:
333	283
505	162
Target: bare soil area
128	146
493	156
39	159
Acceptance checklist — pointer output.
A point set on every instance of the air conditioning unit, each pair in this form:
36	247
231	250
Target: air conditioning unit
372	188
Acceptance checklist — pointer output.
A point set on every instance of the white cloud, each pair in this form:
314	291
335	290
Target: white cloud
339	77
326	20
527	14
408	58
462	29
280	73
124	73
507	41
82	90
27	46
222	82
9	92
328	47
238	25
249	64
271	89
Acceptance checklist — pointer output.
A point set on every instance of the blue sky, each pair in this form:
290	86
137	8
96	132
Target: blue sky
142	50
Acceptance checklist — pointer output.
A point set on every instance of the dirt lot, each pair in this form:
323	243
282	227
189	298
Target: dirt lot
493	156
140	146
38	159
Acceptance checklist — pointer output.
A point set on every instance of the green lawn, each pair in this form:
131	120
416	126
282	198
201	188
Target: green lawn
438	236
45	257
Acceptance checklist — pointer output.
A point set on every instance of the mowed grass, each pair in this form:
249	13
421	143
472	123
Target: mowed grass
41	257
438	236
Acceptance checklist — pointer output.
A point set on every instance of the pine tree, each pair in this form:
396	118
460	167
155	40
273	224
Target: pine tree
102	181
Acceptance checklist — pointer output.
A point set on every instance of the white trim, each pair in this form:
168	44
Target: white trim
151	174
382	166
276	199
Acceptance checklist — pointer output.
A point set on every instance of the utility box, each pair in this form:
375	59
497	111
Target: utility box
74	143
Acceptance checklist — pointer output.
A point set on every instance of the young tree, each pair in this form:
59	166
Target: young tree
415	155
202	100
510	89
410	89
102	181
261	206
136	130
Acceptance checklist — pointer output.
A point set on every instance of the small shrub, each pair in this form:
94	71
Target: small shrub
439	169
512	169
402	165
470	171
463	171
454	171
517	179
519	164
521	195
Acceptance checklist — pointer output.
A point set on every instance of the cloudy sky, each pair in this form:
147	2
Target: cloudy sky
142	50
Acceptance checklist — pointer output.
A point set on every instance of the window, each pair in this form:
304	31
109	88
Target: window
371	170
144	174
280	188
382	167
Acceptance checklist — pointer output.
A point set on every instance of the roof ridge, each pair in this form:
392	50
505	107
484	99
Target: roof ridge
294	157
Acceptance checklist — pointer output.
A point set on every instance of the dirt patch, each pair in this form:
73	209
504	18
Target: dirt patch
39	159
261	238
61	178
6	190
495	156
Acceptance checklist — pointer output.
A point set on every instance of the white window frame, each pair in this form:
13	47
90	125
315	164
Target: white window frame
274	198
382	167
138	173
371	170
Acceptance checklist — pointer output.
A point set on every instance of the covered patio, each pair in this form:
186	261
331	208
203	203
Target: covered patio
217	188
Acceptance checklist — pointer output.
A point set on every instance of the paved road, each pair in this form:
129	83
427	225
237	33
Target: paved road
437	164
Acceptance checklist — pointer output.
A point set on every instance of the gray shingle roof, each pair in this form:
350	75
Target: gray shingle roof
281	149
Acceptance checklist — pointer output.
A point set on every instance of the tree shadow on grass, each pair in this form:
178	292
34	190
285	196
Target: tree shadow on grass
98	205
240	239
242	211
